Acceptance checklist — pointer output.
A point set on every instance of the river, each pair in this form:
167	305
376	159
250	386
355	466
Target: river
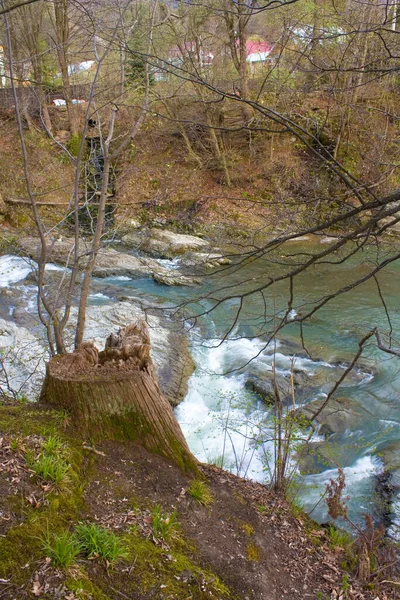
227	423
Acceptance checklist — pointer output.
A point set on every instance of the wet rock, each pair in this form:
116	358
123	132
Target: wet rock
386	492
209	260
134	239
390	456
264	387
337	416
167	277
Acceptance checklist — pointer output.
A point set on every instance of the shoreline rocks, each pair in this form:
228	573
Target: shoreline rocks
109	262
25	354
162	243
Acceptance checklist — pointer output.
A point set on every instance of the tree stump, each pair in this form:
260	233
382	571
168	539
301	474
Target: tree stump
114	394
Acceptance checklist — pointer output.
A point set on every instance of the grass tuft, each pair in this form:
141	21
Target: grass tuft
200	492
53	446
164	526
97	542
62	549
52	469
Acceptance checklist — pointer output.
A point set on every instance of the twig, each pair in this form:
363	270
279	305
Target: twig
91	449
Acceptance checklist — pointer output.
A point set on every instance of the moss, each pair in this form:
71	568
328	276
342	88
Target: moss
23	543
239	497
74	144
248	529
85	589
173	569
253	553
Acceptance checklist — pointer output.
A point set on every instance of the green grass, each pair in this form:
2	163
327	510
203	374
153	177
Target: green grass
163	525
51	468
62	549
53	446
200	492
50	463
339	538
97	542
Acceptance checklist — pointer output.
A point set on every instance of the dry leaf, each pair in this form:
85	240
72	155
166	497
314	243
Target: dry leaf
37	588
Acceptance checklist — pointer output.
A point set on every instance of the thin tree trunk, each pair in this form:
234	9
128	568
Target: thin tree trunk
63	34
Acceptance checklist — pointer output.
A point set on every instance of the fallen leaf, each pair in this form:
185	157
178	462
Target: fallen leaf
37	588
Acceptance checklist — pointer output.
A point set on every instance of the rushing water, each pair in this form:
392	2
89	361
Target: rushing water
223	421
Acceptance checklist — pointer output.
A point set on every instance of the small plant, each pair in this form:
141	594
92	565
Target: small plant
339	538
97	542
53	446
345	584
63	417
30	458
62	549
52	469
15	443
200	492
163	525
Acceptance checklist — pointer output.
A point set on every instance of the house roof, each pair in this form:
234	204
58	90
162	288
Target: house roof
257	47
256	50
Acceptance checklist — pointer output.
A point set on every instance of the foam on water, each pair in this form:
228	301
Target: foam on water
53	267
13	269
98	295
172	264
117	278
215	417
360	488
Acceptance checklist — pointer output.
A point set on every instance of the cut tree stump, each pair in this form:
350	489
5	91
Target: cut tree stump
114	394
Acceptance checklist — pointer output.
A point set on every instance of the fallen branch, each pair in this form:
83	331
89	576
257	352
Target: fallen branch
91	449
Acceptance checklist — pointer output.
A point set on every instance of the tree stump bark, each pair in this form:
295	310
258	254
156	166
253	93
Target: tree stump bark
114	394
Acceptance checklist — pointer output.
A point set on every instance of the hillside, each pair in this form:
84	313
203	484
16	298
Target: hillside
237	540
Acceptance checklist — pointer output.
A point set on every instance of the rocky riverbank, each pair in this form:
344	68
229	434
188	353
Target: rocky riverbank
24	349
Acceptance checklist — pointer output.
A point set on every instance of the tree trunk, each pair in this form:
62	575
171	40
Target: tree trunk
114	394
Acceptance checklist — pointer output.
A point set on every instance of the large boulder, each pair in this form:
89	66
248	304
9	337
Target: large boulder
264	387
163	243
390	456
337	416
